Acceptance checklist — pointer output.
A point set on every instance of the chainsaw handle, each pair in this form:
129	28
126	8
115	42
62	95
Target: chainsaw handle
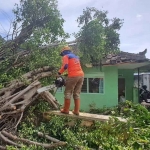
59	82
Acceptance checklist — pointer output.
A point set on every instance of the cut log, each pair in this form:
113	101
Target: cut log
29	142
2	148
145	104
50	99
25	79
25	95
8	141
12	108
49	138
15	98
71	123
87	116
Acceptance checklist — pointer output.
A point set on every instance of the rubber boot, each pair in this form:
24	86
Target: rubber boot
76	107
65	110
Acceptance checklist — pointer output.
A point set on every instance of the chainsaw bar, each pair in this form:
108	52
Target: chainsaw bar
46	88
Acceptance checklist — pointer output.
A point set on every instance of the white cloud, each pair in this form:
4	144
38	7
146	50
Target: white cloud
139	17
66	4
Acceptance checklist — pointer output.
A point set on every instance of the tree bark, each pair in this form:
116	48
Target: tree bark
15	98
7	135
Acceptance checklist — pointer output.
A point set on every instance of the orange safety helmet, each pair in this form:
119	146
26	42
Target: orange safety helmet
65	48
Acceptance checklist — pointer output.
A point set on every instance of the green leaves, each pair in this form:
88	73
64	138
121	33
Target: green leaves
92	41
110	135
98	35
37	23
40	16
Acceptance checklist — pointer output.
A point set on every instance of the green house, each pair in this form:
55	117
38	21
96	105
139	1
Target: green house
104	86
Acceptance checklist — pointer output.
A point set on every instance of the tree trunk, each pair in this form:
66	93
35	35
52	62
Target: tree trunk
15	98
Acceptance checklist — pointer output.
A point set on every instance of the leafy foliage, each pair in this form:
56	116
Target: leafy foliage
98	34
138	115
111	135
39	22
38	58
2	40
36	23
42	16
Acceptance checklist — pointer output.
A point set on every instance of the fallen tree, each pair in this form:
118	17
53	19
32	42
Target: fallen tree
15	98
34	23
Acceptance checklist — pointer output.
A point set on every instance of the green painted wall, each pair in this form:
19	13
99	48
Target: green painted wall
108	98
135	95
129	80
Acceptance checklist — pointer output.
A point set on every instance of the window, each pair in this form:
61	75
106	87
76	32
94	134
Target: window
96	85
93	85
84	86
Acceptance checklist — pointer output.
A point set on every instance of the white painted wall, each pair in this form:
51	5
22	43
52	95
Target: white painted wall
144	79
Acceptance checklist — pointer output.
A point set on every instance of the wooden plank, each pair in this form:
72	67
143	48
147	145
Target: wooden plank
145	104
87	116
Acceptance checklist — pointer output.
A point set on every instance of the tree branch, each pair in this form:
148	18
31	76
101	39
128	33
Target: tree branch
15	138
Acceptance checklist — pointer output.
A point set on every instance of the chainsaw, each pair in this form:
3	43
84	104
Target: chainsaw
59	82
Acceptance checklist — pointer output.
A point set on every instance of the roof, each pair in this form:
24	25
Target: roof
120	59
125	57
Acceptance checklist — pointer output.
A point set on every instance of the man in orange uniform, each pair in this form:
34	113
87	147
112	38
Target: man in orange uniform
74	80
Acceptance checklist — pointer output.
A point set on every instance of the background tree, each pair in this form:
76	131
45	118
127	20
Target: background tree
37	20
98	35
36	23
2	41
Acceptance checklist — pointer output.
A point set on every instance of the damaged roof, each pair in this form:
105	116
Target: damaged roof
125	57
118	58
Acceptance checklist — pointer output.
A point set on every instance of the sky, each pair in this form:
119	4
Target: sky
134	34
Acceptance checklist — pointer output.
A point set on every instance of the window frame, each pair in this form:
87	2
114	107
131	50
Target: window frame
94	76
87	76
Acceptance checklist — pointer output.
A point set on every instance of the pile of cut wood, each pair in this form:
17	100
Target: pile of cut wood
15	98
